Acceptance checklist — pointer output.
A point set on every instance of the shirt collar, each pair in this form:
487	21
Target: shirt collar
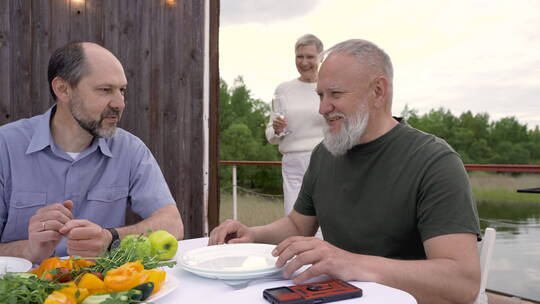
104	147
42	137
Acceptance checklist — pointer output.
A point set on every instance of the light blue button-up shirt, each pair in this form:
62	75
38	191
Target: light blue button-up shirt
35	172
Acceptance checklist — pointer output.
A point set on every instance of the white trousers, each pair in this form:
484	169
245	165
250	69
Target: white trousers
293	167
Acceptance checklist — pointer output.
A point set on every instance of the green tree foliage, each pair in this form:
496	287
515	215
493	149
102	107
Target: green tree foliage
242	123
505	141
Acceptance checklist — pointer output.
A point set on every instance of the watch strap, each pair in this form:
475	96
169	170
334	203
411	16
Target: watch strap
115	238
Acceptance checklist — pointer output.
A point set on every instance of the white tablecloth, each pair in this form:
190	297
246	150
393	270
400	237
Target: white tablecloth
195	289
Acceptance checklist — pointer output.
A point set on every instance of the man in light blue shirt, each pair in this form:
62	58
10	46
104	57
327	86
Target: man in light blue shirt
66	176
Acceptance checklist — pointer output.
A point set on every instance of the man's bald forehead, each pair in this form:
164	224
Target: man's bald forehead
95	54
95	49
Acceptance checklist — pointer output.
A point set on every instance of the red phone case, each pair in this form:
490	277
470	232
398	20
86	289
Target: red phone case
320	292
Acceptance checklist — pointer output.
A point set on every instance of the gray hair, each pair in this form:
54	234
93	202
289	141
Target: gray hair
68	63
367	53
309	39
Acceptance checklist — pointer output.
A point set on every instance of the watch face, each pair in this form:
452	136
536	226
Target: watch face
115	244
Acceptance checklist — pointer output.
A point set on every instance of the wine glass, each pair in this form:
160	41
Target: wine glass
279	111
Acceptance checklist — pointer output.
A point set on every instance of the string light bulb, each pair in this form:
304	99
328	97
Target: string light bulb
170	3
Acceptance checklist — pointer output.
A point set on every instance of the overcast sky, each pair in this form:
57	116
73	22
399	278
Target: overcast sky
477	55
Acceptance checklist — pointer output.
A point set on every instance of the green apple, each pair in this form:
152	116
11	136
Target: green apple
164	244
140	243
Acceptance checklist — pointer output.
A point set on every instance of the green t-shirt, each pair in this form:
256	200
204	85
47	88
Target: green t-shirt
387	196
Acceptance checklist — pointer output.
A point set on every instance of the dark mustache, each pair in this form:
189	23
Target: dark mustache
110	112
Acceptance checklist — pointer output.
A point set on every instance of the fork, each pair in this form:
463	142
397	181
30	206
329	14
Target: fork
240	284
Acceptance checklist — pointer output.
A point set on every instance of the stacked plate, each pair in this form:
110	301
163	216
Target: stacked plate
14	264
230	261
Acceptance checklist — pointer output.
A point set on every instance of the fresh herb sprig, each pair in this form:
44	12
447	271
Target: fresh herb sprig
15	289
121	255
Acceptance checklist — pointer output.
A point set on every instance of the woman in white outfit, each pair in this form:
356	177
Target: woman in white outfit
296	124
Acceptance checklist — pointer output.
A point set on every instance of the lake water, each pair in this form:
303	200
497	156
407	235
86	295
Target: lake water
515	265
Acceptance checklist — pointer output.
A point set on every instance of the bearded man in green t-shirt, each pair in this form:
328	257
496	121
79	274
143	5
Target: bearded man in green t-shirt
394	204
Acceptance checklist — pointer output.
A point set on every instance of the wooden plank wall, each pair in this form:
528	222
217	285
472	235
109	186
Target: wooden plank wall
162	49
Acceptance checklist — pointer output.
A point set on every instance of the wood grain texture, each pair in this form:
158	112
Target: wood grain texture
20	58
161	48
6	112
40	29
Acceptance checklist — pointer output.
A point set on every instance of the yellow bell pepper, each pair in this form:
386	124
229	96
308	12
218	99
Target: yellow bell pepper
126	276
70	284
57	297
78	294
157	277
73	292
92	283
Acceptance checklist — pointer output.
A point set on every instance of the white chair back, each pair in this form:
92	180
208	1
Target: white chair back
485	250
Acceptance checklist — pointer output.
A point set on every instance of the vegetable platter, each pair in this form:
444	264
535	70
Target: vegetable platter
120	276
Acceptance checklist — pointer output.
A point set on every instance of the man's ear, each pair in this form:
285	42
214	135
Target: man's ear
381	90
61	88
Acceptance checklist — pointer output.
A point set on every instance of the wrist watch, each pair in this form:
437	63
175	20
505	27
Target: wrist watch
115	241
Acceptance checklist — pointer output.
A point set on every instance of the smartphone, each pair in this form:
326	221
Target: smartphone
312	293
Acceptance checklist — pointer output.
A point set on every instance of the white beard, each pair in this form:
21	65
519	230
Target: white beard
349	135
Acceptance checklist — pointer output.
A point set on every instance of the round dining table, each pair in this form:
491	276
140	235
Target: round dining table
190	288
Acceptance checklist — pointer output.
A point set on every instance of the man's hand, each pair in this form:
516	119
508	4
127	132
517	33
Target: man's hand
279	124
85	238
44	230
324	257
231	231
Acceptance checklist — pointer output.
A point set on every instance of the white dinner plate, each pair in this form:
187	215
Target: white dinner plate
233	276
234	271
171	283
230	261
15	264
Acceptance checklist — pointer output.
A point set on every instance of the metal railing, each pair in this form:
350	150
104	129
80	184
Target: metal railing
503	168
468	167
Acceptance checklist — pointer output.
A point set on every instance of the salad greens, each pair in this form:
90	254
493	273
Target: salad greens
17	289
121	255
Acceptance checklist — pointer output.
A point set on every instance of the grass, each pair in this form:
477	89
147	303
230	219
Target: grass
256	210
502	187
253	210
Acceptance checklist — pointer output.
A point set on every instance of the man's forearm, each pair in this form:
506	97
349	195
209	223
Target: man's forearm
167	218
273	233
429	281
15	248
451	273
276	232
